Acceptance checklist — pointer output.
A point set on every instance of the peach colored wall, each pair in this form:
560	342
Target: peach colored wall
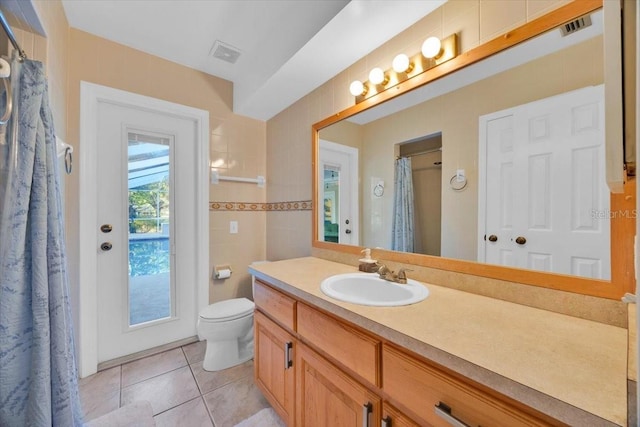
289	132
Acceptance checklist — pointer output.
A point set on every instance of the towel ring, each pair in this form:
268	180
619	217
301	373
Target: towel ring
7	111
68	160
457	186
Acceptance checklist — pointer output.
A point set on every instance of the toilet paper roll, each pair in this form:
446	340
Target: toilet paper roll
223	274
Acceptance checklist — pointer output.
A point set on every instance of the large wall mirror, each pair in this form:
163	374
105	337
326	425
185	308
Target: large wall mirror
496	169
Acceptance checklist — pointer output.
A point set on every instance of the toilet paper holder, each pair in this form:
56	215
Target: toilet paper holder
222	272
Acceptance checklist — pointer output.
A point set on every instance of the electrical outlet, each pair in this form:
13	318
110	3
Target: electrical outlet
233	227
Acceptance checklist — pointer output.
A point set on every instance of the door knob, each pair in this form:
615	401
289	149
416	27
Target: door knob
347	231
106	228
521	240
106	246
493	238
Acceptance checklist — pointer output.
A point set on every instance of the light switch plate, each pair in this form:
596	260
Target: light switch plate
233	227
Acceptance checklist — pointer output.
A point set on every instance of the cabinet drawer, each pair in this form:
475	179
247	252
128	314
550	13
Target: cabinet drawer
353	349
420	387
276	304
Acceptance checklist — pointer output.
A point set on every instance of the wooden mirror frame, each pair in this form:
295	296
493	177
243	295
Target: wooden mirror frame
622	226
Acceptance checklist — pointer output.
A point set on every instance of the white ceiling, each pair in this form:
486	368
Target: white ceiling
288	47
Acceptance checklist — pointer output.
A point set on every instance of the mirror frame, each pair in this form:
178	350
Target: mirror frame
622	227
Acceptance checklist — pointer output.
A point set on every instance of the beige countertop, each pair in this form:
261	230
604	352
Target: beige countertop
572	369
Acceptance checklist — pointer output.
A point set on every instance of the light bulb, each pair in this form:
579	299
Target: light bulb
401	63
357	88
431	47
376	76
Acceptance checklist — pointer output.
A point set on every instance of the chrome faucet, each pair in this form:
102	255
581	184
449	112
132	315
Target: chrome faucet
389	275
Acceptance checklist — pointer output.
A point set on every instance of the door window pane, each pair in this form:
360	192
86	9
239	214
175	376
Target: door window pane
149	187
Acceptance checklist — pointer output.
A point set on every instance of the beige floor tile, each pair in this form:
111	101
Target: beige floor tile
190	414
195	351
100	393
209	381
163	391
234	402
149	367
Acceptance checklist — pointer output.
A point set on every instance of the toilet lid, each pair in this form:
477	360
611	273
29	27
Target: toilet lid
228	310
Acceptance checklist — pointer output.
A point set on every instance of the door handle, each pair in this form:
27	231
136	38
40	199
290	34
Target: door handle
521	240
493	238
386	422
366	411
106	228
444	412
106	246
287	355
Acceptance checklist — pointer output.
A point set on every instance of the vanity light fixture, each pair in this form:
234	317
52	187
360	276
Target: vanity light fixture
378	77
433	53
432	48
357	88
402	64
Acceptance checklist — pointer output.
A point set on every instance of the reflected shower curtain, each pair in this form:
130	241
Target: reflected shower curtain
402	230
38	378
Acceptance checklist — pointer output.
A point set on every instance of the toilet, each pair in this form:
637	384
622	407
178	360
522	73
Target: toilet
227	326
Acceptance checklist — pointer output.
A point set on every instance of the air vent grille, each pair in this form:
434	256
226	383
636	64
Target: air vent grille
575	25
225	52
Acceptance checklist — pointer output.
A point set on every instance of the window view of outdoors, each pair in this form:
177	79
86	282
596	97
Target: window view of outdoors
149	229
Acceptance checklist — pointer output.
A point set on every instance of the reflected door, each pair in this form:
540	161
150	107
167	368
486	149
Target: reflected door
146	205
338	194
535	154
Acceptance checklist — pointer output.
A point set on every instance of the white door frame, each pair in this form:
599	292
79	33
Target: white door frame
90	96
354	203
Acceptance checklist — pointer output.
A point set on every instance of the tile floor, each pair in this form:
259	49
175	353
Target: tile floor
179	390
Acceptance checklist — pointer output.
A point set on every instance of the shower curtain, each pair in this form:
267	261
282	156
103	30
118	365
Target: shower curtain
402	230
38	378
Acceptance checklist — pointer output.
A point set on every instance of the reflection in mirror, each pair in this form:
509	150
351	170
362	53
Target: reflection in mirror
506	159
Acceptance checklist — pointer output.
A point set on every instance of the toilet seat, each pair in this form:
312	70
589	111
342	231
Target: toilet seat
224	311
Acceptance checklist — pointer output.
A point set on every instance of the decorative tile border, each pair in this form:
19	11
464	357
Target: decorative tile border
301	205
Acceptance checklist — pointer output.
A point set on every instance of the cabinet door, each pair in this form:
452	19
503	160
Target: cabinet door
329	397
273	366
392	417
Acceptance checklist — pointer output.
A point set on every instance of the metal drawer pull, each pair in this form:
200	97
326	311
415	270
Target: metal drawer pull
366	411
386	422
287	355
444	412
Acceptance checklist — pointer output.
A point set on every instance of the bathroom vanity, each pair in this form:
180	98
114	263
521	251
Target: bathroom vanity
454	357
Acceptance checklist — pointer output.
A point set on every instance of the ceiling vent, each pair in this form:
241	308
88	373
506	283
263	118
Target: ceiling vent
575	25
225	52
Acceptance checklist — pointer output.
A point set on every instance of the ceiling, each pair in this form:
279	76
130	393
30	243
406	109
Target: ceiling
287	48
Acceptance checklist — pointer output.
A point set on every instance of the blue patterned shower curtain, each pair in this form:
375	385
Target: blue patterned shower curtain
38	377
403	219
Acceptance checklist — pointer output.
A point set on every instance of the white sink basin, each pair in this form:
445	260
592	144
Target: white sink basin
370	289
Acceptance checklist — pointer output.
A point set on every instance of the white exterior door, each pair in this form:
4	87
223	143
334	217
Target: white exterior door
545	204
338	194
144	223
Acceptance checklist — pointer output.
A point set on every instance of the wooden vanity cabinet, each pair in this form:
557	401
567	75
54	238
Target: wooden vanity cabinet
317	370
273	368
329	397
392	417
439	399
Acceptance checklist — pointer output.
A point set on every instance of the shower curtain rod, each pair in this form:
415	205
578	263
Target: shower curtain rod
421	152
12	38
